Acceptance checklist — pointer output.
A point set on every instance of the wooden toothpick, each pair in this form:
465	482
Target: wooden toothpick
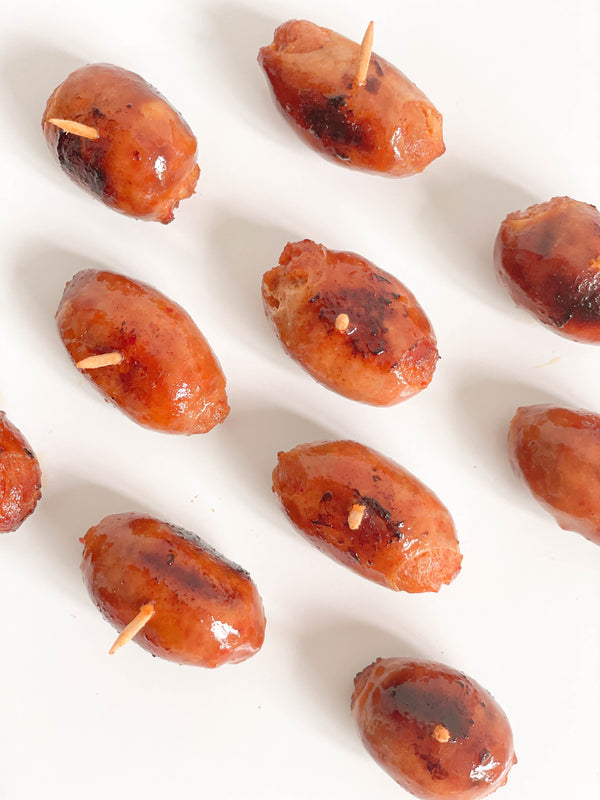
341	322
365	56
77	128
441	734
101	360
143	616
355	516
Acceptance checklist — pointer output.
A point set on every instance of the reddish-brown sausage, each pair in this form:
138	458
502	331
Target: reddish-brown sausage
369	514
207	610
169	379
548	257
387	126
20	477
434	730
557	453
144	159
352	326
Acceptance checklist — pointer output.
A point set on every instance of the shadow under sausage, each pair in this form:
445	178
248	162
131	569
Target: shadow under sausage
64	517
240	33
330	658
465	209
255	437
40	274
31	70
243	251
484	409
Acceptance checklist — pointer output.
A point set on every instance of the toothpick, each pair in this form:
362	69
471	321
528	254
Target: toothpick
355	517
101	360
341	322
143	616
78	128
441	734
365	56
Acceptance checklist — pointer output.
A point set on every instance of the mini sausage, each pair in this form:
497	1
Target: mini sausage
167	378
355	328
369	514
207	611
142	160
556	451
548	257
437	732
20	477
386	126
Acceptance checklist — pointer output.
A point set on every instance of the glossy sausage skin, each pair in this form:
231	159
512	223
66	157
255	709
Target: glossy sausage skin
387	126
434	730
169	379
556	451
20	477
144	159
207	610
406	538
388	351
548	257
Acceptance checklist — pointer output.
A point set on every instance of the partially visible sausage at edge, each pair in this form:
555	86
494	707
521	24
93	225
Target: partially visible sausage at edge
20	477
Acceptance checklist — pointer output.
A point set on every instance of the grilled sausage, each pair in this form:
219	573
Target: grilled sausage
369	514
438	733
143	159
548	257
386	126
355	328
20	477
207	611
556	451
168	379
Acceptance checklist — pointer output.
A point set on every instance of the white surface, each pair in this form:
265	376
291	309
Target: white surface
518	85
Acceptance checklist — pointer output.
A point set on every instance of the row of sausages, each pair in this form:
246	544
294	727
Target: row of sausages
358	331
121	140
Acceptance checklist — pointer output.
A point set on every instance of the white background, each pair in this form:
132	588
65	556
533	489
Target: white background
518	84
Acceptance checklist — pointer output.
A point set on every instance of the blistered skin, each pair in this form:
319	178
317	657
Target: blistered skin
405	538
387	126
438	733
556	451
386	354
20	477
144	159
207	610
169	379
548	257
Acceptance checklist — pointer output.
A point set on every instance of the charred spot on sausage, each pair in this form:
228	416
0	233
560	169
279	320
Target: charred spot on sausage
83	162
330	120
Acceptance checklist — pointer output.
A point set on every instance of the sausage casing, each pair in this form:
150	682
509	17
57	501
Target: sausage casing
387	126
20	477
548	257
369	514
169	379
437	732
207	610
556	451
144	159
387	351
